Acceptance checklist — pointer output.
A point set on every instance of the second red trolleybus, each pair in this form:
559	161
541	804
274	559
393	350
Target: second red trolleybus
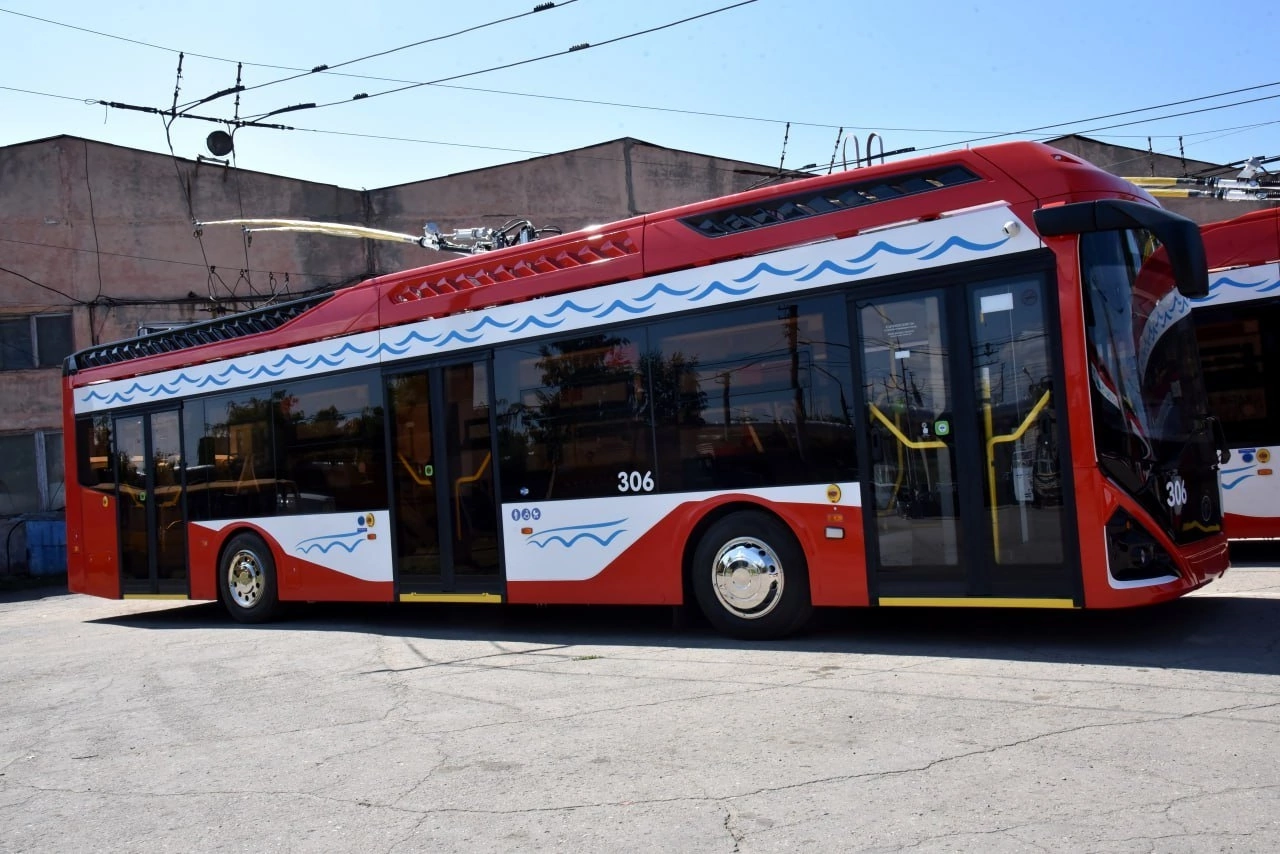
1238	327
962	379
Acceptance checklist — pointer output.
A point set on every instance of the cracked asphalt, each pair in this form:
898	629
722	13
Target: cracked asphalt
150	726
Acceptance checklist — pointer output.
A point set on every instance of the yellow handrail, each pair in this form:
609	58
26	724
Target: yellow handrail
898	434
902	441
457	491
413	472
992	441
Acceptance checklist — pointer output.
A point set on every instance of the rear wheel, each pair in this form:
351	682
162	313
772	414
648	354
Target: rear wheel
750	577
247	580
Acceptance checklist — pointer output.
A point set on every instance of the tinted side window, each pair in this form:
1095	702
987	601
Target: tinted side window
331	445
1240	355
234	471
93	448
573	417
754	397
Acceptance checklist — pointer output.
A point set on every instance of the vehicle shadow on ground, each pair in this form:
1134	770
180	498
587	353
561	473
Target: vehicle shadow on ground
1227	634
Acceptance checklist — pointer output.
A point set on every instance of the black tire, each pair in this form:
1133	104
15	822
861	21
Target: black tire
750	577
247	580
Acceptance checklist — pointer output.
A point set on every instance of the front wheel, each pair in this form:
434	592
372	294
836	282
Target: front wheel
247	580
750	577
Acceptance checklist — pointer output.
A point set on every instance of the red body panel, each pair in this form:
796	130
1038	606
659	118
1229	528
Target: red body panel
93	543
837	568
1252	527
1245	241
298	580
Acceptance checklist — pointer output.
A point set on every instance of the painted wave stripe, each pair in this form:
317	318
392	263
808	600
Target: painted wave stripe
552	319
583	532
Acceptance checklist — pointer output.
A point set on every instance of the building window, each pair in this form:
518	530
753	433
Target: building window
34	341
31	478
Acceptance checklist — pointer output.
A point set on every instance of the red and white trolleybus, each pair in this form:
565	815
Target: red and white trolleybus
961	379
1238	327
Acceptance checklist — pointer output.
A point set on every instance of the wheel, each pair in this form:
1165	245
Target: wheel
248	580
750	577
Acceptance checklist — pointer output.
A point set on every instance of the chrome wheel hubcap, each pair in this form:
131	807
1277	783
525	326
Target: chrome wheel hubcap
747	578
245	579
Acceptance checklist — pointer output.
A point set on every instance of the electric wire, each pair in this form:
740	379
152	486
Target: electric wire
415	84
364	96
541	7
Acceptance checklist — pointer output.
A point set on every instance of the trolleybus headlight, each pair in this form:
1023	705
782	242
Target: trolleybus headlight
1133	553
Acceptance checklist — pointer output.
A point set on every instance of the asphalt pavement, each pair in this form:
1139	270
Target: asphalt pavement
153	726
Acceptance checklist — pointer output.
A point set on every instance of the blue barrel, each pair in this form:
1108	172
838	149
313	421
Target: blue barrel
46	547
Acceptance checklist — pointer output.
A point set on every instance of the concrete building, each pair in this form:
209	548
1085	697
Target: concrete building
97	243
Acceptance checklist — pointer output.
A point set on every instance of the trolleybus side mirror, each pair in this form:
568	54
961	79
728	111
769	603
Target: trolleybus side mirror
1180	236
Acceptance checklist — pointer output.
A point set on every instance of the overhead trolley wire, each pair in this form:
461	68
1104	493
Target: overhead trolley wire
541	7
986	135
572	49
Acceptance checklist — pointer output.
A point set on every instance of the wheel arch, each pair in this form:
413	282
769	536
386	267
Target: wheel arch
714	515
225	538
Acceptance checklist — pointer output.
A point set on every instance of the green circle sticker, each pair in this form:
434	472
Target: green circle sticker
942	428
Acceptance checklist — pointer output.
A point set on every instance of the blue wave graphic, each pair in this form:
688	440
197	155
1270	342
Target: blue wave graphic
1228	282
455	335
484	321
722	288
958	242
325	548
533	321
1269	288
833	267
621	305
263	369
568	543
587	532
570	304
1237	470
348	347
551	320
335	541
388	348
661	288
1237	481
882	246
770	269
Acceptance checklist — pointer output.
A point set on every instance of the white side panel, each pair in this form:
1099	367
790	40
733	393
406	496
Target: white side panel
1246	491
575	540
354	544
980	233
1243	285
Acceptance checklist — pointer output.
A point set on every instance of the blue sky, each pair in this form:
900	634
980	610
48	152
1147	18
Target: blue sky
931	75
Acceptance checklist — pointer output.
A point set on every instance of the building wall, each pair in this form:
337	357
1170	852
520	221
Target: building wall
103	236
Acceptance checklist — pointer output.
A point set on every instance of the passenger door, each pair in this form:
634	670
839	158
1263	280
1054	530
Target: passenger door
444	509
150	506
964	496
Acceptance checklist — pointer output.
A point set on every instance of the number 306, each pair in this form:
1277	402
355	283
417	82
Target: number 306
634	481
